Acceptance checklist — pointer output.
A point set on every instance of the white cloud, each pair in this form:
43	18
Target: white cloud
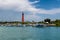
52	11
25	5
34	2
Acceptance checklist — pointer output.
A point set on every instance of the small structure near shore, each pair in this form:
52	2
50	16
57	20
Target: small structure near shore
47	21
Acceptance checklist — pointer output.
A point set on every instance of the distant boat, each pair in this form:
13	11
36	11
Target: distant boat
21	25
39	25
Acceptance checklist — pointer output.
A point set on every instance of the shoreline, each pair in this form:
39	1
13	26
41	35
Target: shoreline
33	25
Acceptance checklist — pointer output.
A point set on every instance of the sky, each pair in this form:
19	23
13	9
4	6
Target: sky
34	10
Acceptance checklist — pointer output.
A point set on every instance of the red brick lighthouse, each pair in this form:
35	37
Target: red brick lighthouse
22	18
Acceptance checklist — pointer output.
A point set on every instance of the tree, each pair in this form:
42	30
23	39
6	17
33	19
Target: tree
47	20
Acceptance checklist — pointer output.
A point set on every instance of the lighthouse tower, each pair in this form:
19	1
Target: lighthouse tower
22	18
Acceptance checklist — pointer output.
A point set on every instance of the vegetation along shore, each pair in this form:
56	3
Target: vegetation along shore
46	21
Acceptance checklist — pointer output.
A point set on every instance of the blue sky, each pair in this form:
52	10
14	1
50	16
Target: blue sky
48	4
37	10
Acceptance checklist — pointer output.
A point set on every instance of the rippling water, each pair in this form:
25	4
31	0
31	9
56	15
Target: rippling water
29	33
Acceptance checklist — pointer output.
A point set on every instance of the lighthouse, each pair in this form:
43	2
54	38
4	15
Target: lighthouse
22	18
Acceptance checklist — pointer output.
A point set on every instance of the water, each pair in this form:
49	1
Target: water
29	33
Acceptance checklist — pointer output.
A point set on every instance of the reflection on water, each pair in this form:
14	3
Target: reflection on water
29	33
